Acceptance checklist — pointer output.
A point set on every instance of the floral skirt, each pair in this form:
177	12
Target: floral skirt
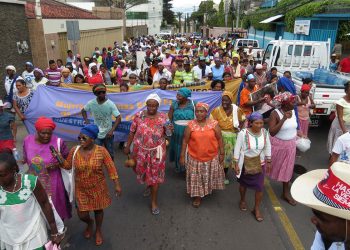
203	177
229	139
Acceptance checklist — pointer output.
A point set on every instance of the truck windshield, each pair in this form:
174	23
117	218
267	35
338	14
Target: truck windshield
267	54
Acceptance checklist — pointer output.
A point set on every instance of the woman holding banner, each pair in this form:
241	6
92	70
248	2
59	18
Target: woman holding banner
180	113
230	119
147	133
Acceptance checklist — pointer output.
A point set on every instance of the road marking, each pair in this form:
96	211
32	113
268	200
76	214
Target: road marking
287	225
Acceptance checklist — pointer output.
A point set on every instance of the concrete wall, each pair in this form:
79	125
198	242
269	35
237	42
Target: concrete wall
136	31
38	43
13	32
59	25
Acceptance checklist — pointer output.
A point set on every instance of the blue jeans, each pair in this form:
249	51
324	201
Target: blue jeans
108	143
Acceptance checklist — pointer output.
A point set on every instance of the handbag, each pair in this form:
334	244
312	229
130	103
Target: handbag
252	165
68	175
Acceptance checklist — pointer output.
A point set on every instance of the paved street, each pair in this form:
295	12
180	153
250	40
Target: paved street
217	224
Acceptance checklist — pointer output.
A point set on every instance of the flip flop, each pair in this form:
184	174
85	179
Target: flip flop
155	211
242	206
196	204
258	219
99	242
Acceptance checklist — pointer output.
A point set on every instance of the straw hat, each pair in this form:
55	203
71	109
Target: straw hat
325	191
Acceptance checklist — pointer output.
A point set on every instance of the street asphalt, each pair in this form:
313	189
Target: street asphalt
218	223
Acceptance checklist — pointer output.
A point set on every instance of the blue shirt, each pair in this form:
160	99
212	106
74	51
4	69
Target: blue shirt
102	114
218	72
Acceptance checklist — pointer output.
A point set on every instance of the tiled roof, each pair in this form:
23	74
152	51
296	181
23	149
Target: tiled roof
57	10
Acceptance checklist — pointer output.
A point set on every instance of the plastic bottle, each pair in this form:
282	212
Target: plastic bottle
168	131
18	158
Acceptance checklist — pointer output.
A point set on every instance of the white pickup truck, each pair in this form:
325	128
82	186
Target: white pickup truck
245	43
303	59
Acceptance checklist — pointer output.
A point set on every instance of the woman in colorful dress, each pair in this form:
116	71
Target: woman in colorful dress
230	119
147	133
91	191
180	113
283	130
22	98
41	162
204	170
252	153
22	199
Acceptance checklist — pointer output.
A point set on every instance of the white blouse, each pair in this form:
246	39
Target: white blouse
251	145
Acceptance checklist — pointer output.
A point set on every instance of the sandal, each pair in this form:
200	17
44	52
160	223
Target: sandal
258	218
155	211
196	203
242	206
98	240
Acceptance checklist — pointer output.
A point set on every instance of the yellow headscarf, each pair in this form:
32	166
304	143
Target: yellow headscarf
229	94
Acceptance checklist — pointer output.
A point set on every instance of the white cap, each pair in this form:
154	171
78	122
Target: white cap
258	66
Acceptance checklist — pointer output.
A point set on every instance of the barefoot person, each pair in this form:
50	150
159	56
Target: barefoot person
91	191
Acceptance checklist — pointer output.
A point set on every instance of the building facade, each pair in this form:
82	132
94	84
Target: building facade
15	46
150	14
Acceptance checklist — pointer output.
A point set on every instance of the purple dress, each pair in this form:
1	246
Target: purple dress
39	157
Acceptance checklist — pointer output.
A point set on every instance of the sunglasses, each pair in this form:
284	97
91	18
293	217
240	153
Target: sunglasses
83	138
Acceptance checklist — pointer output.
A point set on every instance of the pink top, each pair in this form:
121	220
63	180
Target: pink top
304	110
167	62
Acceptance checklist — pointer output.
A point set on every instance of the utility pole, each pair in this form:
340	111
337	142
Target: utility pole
238	11
233	12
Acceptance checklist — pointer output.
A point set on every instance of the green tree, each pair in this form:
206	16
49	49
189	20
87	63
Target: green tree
206	14
168	14
179	16
123	4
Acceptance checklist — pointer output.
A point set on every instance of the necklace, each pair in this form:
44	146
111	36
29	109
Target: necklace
16	179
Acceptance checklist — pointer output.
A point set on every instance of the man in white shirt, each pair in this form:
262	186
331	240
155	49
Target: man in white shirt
201	70
341	149
28	74
162	72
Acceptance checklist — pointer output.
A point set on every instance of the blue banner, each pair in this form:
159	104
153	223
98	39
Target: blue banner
64	106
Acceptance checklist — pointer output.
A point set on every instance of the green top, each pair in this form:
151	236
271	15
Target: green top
28	184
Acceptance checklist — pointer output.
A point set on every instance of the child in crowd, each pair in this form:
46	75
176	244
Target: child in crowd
305	103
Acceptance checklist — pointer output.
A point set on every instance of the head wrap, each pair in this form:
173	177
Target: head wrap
11	67
44	123
65	70
202	105
39	71
92	65
90	130
29	63
250	77
229	94
259	66
254	116
153	97
185	92
305	87
284	98
287	84
98	87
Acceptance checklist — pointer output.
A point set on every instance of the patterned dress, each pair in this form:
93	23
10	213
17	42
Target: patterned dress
91	191
23	101
149	149
204	171
185	113
39	158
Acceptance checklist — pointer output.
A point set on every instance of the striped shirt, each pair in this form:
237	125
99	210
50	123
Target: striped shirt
54	76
